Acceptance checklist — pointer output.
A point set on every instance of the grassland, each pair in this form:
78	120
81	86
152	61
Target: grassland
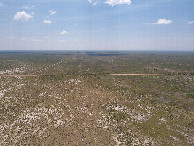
68	98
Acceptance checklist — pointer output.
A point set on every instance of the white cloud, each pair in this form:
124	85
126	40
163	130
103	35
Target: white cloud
1	4
22	16
163	21
95	3
64	32
27	7
52	12
118	2
90	1
47	21
191	22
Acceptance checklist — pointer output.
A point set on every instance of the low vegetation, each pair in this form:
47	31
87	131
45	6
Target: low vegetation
72	100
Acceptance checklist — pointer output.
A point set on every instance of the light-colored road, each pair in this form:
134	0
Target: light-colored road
32	75
43	69
134	74
18	75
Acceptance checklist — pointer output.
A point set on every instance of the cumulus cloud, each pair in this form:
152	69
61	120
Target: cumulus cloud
52	12
22	16
47	21
117	2
32	13
163	21
93	2
191	22
64	32
90	1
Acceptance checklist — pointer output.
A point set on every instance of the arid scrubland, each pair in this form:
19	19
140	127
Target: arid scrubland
73	100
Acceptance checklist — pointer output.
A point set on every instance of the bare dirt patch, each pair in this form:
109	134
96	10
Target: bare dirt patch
134	74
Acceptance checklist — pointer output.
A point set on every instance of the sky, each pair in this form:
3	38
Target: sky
97	25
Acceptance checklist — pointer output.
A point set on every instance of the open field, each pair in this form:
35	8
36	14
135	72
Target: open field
96	98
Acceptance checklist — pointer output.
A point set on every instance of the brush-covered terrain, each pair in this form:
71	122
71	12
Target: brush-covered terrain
68	98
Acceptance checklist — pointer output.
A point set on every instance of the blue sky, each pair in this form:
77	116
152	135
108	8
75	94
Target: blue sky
97	25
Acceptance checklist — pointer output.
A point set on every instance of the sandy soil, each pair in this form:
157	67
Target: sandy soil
18	75
134	74
94	74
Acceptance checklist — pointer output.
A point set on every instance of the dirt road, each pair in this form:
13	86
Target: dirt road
32	75
134	74
18	75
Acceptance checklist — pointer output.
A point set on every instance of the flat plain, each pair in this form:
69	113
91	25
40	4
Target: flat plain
96	98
